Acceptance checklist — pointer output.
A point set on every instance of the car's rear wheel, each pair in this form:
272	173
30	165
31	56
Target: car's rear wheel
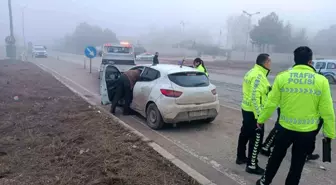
154	118
330	79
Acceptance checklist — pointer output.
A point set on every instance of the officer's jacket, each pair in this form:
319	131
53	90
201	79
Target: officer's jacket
303	96
202	69
255	90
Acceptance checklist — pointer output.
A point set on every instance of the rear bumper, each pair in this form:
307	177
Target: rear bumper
173	113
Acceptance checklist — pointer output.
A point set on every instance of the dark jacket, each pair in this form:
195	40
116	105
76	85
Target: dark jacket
155	60
133	76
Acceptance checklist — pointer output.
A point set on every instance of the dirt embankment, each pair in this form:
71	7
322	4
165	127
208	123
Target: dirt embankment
48	135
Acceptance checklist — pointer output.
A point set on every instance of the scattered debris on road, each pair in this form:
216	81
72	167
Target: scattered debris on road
48	135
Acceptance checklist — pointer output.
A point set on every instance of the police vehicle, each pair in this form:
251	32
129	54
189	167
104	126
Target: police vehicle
327	68
120	55
167	93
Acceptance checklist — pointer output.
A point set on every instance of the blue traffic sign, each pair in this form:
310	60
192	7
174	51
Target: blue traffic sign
90	52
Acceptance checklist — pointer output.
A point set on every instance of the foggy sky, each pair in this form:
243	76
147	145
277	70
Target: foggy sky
46	20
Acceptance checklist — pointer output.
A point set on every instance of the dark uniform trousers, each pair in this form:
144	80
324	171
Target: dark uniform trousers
123	90
269	142
301	142
251	135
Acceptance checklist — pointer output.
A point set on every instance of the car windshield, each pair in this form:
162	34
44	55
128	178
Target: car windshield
118	49
189	79
39	49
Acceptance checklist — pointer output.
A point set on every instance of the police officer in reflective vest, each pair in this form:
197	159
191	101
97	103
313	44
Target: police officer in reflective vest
199	65
255	90
303	96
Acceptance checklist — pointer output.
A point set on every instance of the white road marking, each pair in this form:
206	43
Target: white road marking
214	164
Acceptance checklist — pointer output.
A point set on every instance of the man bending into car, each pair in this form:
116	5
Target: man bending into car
124	89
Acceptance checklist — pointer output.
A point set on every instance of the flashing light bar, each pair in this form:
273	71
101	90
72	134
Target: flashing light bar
124	43
108	44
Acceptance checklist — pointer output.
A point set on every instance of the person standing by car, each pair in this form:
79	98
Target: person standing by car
255	89
156	58
199	65
124	88
303	97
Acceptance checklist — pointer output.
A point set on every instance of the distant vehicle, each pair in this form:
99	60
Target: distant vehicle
39	51
145	57
325	67
167	93
121	55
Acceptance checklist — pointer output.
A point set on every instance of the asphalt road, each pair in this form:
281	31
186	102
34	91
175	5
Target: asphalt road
209	148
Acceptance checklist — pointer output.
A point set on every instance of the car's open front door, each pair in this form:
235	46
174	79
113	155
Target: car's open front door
108	83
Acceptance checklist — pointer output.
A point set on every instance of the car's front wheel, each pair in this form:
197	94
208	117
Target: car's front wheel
330	79
154	118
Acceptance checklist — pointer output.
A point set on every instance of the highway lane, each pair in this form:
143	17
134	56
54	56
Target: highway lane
209	148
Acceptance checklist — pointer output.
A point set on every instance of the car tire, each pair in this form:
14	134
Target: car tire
154	118
209	120
331	79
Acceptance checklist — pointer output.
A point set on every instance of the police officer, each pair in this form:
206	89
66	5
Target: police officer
269	142
199	65
255	90
124	89
303	96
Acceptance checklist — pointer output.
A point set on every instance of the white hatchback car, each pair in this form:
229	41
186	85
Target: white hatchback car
168	93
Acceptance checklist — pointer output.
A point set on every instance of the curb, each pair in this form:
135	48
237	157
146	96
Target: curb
164	153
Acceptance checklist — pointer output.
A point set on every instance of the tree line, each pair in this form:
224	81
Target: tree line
85	35
272	34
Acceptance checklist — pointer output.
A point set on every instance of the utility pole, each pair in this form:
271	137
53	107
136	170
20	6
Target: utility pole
248	29
10	18
10	47
23	28
220	37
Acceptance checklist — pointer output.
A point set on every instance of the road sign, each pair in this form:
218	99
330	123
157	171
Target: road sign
10	40
90	52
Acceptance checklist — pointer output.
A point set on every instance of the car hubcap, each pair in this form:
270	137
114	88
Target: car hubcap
330	79
152	116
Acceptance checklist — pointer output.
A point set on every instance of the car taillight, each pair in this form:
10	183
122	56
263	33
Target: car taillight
214	92
171	93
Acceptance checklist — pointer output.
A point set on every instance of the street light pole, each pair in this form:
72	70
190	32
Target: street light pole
23	28
248	29
10	18
10	41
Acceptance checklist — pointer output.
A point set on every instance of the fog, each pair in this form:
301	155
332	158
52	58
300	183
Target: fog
46	20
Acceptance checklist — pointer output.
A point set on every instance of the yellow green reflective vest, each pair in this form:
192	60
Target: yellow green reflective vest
255	89
201	69
303	96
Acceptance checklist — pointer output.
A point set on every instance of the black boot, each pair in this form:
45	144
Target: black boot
255	170
259	182
241	161
312	157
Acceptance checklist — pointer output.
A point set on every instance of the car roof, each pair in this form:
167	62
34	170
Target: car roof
170	68
324	60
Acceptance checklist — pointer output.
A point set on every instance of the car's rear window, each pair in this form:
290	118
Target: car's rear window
118	49
189	79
